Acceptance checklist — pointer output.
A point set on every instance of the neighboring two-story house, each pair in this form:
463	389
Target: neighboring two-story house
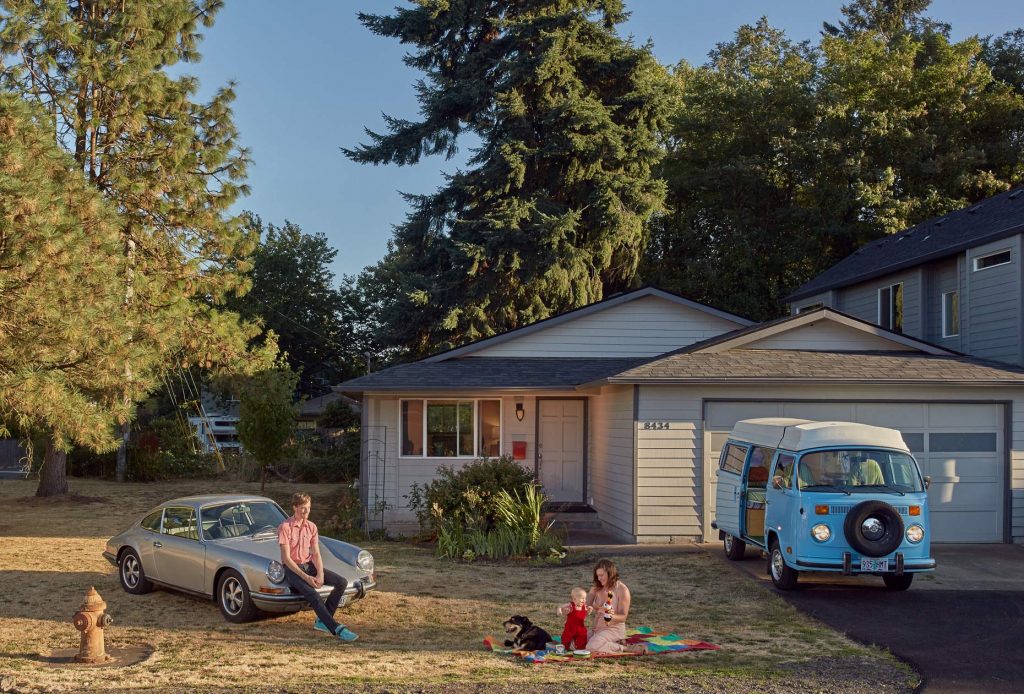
956	281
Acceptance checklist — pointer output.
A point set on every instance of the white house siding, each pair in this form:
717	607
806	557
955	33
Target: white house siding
861	300
672	477
611	486
668	467
645	327
993	304
827	335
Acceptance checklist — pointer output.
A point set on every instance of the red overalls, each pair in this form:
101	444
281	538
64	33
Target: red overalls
575	633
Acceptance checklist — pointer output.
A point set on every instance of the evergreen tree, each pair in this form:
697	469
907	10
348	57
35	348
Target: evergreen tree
550	213
267	414
64	338
170	164
293	293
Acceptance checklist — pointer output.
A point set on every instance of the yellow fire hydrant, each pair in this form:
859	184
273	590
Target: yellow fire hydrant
91	619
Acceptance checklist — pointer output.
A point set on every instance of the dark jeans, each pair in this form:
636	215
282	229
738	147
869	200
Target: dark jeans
324	610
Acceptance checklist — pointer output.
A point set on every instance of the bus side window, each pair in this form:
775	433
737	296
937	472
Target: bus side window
782	478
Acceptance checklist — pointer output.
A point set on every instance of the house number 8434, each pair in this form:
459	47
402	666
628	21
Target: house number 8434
656	425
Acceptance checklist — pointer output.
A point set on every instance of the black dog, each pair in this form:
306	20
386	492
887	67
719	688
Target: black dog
525	635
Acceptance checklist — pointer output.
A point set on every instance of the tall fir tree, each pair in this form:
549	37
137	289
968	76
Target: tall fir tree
64	337
170	164
550	214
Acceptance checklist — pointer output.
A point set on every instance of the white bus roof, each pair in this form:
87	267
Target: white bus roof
802	434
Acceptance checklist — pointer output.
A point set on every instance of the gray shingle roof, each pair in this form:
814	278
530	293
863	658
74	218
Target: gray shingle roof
846	367
989	220
489	372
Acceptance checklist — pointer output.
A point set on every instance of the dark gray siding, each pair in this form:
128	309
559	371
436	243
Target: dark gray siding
943	276
861	301
993	304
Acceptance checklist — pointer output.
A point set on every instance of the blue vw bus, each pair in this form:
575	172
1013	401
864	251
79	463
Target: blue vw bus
824	496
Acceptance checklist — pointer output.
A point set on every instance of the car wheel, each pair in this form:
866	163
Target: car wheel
132	575
734	549
233	598
894	582
782	575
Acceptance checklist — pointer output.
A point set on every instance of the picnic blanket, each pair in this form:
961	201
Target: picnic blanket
656	643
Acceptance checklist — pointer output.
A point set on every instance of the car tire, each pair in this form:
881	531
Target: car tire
894	582
233	598
784	577
131	574
891	531
734	549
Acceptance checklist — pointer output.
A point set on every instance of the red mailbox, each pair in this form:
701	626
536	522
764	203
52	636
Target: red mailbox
519	450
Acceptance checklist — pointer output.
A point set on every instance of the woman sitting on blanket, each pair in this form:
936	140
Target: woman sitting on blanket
610	599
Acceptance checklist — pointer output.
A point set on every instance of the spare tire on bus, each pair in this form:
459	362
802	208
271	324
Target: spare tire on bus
874	528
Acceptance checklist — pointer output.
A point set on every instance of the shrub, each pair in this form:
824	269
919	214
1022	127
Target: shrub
338	415
344	515
468	495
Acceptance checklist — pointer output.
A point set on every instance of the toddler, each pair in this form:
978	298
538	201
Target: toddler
574	636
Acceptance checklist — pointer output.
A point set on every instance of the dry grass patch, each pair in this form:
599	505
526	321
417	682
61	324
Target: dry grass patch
423	628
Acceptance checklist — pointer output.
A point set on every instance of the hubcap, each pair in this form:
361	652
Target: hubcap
872	528
231	596
728	543
130	571
777	565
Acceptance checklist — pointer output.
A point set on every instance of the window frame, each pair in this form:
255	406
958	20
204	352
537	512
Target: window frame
945	316
724	456
195	523
476	425
978	258
891	290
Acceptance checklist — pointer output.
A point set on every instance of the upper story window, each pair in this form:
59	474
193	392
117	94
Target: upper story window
890	307
950	314
810	307
451	428
983	262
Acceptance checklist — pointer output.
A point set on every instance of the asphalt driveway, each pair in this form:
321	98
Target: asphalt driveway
962	627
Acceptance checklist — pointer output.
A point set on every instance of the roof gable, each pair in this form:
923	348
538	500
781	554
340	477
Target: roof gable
991	219
642	323
824	329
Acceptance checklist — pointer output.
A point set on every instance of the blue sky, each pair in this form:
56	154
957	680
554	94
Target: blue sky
310	77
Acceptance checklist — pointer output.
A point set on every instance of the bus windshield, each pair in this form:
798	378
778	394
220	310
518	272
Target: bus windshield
859	471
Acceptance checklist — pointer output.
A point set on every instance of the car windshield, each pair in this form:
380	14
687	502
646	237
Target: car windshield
240	518
859	471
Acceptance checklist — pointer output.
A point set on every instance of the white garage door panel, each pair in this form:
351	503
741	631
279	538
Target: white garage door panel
966	494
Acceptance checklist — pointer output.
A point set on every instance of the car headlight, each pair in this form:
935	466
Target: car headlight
365	561
275	572
915	533
821	532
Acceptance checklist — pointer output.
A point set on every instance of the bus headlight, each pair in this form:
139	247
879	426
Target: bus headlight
915	533
821	532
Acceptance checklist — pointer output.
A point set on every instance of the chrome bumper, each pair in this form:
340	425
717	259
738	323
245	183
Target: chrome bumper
110	557
292	602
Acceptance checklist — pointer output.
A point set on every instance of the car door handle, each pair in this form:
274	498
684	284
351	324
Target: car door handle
158	544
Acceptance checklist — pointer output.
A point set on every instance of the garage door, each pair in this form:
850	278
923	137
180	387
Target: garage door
960	446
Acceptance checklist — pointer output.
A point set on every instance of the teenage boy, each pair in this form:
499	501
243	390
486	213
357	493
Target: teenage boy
304	568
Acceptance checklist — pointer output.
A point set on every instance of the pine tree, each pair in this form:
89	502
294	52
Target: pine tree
550	213
170	164
64	338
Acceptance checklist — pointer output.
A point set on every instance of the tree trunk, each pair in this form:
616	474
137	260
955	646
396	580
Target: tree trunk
263	478
121	468
53	479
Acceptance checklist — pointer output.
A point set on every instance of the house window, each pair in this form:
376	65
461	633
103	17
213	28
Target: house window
983	262
890	307
451	428
810	307
950	314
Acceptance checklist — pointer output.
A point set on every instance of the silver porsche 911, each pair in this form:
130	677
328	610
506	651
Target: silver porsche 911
225	547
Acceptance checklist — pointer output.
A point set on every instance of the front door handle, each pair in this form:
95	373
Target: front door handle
158	544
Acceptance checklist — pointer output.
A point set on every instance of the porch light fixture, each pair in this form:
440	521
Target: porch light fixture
520	412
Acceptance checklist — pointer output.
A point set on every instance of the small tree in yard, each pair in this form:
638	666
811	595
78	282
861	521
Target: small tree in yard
267	416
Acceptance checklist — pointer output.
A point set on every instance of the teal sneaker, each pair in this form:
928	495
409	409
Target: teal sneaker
320	626
344	634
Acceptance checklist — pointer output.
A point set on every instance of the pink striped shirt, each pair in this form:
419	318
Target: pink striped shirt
300	537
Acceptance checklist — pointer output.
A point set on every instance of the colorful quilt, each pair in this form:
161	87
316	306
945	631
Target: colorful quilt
656	643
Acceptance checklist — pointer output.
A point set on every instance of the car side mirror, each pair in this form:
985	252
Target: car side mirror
777	482
927	481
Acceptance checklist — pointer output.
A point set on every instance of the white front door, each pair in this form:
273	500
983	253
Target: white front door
560	449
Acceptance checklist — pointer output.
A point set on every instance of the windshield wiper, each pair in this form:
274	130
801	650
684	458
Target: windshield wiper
894	490
829	486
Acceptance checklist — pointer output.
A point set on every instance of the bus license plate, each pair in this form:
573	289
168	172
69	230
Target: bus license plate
874	564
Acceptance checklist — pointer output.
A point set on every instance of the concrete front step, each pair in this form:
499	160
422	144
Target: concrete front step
577	521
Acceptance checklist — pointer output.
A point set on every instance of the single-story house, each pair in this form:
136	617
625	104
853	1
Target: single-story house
622	406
